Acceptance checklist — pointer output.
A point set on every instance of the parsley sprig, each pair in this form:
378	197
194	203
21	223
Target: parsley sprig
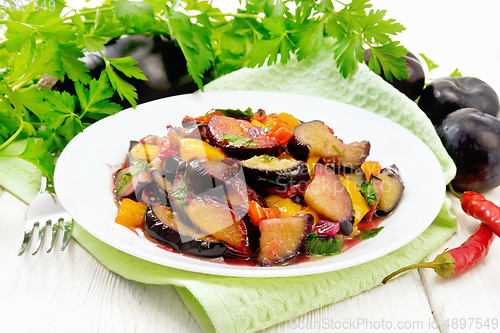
51	42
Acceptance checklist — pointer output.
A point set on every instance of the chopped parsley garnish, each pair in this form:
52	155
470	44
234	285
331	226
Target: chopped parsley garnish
124	179
325	247
180	195
367	234
267	158
238	140
368	192
138	165
338	150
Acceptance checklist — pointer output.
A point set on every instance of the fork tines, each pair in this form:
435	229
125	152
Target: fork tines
45	210
65	225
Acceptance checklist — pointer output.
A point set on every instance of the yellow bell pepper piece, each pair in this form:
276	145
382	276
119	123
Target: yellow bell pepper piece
145	151
359	204
288	119
288	207
309	210
131	214
190	148
311	163
255	122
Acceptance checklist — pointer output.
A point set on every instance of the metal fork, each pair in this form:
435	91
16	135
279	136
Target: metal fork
45	211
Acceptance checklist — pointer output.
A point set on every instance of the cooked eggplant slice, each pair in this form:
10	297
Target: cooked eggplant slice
130	182
198	177
172	165
218	219
124	187
157	192
298	199
219	178
270	175
392	190
314	138
327	196
240	194
166	227
229	134
194	129
212	178
354	154
282	239
275	171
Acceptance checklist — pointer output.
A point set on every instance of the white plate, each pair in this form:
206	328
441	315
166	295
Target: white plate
84	172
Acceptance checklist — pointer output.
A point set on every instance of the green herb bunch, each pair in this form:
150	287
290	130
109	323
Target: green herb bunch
40	41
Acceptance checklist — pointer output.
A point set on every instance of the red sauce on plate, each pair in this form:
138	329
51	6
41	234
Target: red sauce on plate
368	225
249	262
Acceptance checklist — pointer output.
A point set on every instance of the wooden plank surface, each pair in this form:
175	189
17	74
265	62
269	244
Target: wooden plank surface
71	289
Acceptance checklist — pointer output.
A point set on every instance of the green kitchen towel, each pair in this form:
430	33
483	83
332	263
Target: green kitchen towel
229	304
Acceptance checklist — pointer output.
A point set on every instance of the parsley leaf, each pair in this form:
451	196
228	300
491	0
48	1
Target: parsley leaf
94	43
33	100
389	57
368	192
348	52
430	64
124	8
17	34
75	68
35	153
236	113
325	247
180	195
124	89
456	73
269	50
309	37
62	118
126	65
94	102
238	140
194	42
367	234
52	141
32	63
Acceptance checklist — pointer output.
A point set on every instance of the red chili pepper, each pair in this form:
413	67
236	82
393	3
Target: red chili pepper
476	205
459	260
469	254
